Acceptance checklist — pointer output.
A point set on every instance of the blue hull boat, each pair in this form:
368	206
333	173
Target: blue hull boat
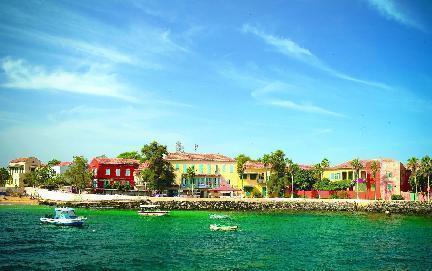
64	217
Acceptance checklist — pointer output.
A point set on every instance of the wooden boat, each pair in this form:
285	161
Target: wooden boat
64	217
215	227
151	210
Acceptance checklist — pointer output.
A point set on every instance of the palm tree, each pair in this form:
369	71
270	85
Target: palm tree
292	168
325	163
426	168
413	166
190	174
241	161
357	165
374	169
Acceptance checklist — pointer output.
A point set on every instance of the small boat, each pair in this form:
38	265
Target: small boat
151	210
64	217
215	227
216	216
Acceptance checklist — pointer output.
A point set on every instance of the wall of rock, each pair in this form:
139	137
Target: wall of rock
399	207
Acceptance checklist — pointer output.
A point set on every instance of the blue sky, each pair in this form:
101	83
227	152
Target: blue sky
335	79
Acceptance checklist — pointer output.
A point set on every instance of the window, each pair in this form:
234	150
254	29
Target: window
337	176
185	168
107	172
217	168
128	172
209	169
231	168
350	175
253	176
177	167
223	168
332	176
117	172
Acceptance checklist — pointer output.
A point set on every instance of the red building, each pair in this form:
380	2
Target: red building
111	170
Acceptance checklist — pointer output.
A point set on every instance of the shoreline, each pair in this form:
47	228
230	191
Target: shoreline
265	205
25	200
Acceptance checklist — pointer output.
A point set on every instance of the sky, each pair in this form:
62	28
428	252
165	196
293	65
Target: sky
330	79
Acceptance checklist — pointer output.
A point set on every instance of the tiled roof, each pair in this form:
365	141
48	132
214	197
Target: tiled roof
305	167
183	156
18	160
254	164
347	164
63	164
143	166
115	161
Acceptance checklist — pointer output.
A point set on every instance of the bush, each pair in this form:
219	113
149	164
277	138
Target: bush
334	196
397	197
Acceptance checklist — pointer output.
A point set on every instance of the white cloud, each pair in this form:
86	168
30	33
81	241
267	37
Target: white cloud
21	75
391	11
293	50
302	107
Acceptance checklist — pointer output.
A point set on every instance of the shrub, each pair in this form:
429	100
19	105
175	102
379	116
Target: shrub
334	196
397	197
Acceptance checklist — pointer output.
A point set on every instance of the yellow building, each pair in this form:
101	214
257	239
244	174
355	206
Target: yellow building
212	171
19	167
255	178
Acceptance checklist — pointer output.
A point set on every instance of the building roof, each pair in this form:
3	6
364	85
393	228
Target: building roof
183	156
22	159
63	164
254	164
347	164
143	165
305	167
115	161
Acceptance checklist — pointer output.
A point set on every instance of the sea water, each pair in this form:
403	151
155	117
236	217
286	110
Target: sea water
123	240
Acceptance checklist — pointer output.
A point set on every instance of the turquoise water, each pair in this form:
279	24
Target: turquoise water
122	240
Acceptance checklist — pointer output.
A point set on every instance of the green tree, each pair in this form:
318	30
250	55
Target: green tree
241	161
357	166
277	181
160	173
4	176
190	175
413	165
304	179
426	171
318	171
130	155
78	173
40	177
374	169
291	169
325	163
53	162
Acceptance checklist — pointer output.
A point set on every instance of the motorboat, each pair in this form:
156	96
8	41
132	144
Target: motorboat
64	217
151	210
215	227
217	216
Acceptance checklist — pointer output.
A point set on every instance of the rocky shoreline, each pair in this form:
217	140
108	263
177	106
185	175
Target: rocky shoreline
392	207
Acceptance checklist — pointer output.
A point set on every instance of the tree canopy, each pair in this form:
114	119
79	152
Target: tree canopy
241	161
130	155
78	173
278	179
4	176
160	173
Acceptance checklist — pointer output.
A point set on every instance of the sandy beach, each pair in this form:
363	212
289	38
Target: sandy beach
17	200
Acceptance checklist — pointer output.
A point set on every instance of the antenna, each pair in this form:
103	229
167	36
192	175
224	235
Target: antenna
196	147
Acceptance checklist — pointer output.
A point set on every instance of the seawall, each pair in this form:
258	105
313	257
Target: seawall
395	207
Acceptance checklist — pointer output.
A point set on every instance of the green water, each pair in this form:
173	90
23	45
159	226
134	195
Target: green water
122	240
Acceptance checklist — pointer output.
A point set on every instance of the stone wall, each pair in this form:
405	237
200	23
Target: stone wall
400	207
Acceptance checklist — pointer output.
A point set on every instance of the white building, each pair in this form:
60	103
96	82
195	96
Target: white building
61	168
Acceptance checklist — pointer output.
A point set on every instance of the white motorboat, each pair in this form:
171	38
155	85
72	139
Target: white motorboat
151	210
64	217
215	227
217	216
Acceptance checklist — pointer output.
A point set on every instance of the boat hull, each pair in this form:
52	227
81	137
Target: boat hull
223	228
63	222
154	213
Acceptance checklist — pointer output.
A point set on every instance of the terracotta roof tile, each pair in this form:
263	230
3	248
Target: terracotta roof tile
63	164
18	160
183	156
116	161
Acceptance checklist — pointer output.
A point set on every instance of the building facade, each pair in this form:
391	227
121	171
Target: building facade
61	168
19	167
391	177
109	171
211	171
255	178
